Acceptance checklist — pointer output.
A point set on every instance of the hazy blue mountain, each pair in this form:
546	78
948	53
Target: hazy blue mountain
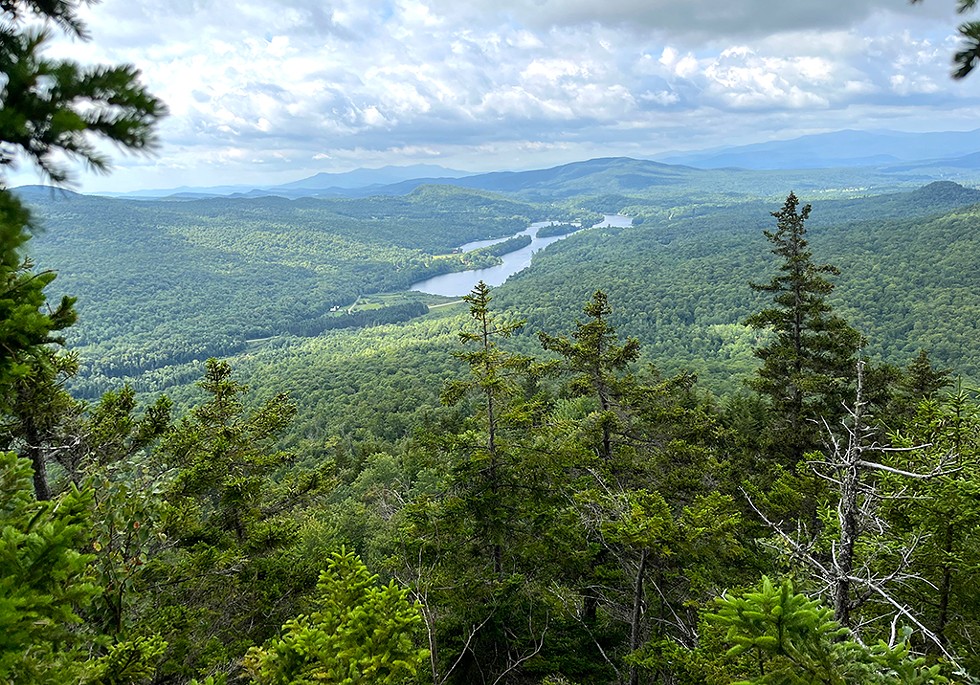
359	178
182	193
837	149
34	193
843	159
323	183
970	161
908	157
594	176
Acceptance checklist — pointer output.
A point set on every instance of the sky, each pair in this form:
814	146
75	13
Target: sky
262	92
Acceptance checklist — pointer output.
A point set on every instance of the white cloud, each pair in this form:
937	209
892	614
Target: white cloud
492	84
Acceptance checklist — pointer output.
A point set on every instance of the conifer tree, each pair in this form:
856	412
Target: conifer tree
361	632
595	361
920	381
941	515
810	361
780	636
44	579
484	538
51	109
494	377
27	321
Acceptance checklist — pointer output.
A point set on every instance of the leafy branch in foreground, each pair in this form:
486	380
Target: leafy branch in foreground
362	632
791	639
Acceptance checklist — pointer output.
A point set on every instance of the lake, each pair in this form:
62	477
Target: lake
461	282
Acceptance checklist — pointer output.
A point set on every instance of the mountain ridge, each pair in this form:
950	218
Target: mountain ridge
846	147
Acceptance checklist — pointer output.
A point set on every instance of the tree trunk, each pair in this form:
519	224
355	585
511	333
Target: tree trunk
637	615
945	587
847	510
35	453
41	489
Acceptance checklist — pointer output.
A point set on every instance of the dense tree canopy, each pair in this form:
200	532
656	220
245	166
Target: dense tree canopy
571	515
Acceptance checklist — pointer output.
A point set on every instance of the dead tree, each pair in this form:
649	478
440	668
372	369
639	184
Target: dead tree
853	465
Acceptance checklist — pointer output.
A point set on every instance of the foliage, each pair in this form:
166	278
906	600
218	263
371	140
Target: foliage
558	229
807	366
51	109
571	530
941	517
595	361
361	632
242	272
510	245
792	639
24	326
44	579
224	456
210	277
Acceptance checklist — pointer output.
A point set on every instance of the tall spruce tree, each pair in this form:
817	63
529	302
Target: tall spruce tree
485	539
596	362
810	360
495	376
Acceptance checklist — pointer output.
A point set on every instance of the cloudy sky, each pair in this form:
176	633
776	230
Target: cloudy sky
269	91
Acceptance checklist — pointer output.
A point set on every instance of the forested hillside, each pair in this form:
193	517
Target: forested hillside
735	441
250	278
165	283
908	279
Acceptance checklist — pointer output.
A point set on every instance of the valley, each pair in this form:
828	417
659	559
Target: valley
247	279
605	399
525	343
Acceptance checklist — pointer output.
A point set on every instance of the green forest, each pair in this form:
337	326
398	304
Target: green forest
735	442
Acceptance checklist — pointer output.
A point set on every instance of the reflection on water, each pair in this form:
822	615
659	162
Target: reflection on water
461	282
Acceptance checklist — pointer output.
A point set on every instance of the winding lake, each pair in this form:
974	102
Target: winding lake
461	282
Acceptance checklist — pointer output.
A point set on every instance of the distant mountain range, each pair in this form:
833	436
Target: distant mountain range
837	149
901	156
594	176
361	178
328	183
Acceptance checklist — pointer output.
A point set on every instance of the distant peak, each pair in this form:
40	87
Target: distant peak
945	191
44	191
940	186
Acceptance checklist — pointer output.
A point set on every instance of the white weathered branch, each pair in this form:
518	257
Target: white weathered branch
907	474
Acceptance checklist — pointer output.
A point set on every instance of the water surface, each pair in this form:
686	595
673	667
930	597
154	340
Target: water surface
461	282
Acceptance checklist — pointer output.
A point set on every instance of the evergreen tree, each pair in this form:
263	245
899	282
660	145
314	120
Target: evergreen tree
38	411
361	633
50	109
484	540
597	366
940	516
596	362
779	636
487	475
920	381
231	567
27	323
44	580
225	456
810	360
966	58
